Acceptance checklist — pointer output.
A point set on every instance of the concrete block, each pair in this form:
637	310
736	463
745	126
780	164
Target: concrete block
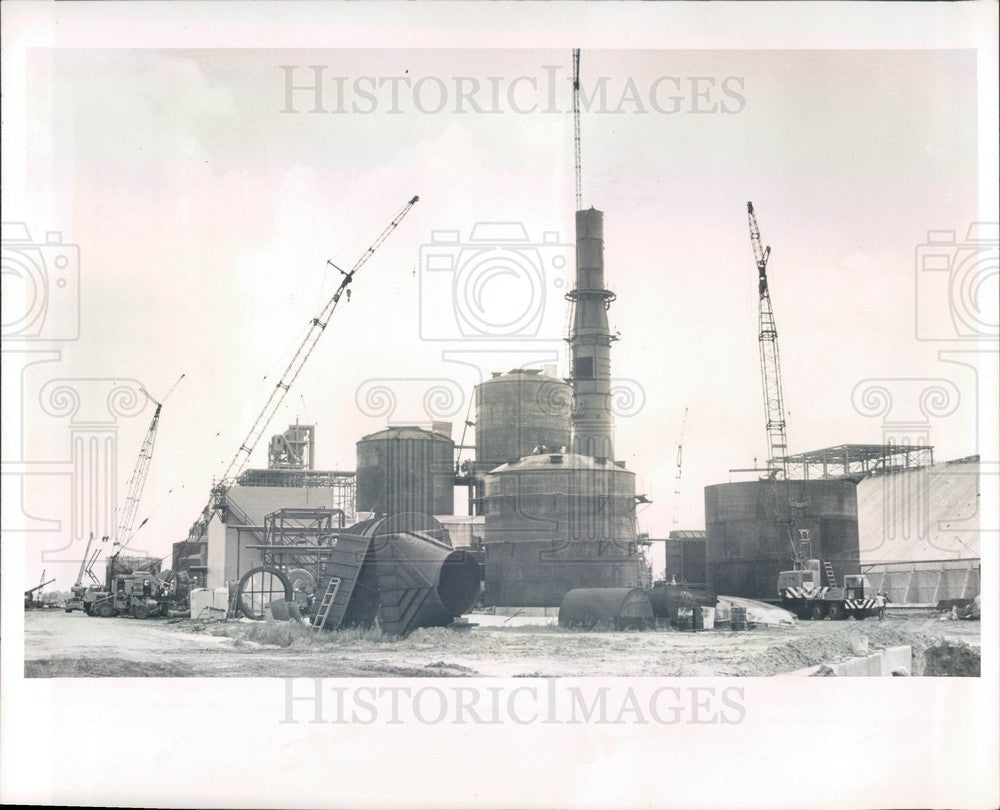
896	658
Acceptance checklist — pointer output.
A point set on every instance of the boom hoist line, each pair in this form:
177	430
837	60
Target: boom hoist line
315	331
770	362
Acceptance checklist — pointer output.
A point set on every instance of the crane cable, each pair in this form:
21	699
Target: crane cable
315	331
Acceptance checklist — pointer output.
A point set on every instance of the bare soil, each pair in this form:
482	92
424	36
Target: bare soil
63	645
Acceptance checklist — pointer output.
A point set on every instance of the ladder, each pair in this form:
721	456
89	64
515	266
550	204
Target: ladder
326	604
828	567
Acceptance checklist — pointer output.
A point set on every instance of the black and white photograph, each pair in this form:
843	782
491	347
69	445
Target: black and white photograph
500	405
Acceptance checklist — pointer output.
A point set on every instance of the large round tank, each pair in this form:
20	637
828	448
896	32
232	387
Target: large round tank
555	522
746	547
406	469
517	412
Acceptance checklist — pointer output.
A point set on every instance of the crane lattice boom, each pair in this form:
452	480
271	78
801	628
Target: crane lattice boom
770	362
680	461
137	481
576	127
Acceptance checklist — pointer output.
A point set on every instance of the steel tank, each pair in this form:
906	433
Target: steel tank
517	412
556	522
406	469
751	525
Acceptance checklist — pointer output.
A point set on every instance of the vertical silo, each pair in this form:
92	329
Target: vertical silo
517	412
406	469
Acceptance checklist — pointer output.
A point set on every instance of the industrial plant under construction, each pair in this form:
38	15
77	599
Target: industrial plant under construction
548	527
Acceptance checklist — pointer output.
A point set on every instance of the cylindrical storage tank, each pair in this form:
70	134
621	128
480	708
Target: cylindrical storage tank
746	547
517	412
556	522
406	469
606	609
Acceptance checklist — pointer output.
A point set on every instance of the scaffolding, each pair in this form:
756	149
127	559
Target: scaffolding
858	460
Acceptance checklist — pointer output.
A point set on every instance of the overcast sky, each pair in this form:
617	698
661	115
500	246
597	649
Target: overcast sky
205	217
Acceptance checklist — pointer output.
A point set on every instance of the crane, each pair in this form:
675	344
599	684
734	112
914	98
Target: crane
136	484
770	364
32	601
677	476
576	127
314	332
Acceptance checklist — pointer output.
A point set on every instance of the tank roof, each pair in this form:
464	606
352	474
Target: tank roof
534	373
556	461
405	432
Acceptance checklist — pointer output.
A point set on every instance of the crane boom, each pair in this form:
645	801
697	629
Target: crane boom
576	128
315	331
770	362
677	476
137	481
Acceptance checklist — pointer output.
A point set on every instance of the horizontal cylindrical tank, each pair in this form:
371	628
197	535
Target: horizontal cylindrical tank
406	469
751	527
517	412
555	522
666	599
606	608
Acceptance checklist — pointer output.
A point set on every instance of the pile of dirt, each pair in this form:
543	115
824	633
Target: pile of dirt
951	659
72	667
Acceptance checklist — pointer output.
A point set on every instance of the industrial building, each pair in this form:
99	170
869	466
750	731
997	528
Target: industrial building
911	526
557	520
550	508
224	550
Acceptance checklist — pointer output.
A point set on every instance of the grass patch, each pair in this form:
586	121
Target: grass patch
291	634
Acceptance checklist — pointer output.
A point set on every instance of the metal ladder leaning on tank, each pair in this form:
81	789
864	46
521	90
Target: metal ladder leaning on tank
326	604
828	567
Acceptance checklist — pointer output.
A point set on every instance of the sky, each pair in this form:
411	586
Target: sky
206	200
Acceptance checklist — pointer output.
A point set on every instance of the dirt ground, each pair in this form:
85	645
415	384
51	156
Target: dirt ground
59	644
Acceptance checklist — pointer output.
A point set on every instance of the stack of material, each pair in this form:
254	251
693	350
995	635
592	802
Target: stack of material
759	612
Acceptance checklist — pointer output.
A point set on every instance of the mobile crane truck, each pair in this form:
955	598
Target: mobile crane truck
802	592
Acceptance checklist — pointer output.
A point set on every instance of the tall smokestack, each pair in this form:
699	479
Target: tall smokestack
590	342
